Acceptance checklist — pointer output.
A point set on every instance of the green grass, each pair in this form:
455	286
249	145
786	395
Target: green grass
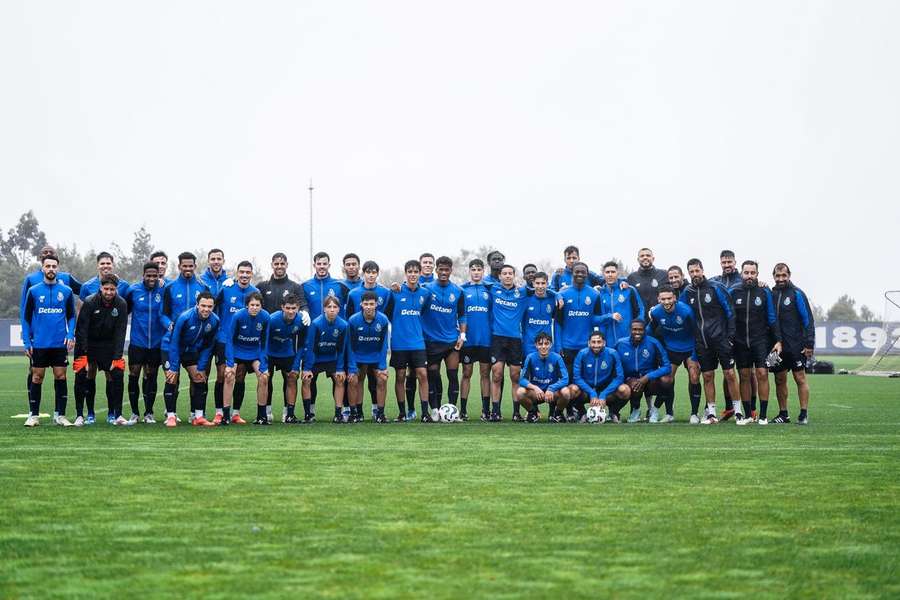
467	510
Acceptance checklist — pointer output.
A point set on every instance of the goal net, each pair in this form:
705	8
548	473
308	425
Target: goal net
885	358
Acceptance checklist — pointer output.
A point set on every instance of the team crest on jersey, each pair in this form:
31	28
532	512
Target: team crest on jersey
268	292
517	294
233	299
707	298
739	301
484	295
452	296
380	301
284	293
178	295
208	327
434	297
335	333
587	300
59	296
378	327
678	320
115	312
663	321
692	300
603	365
421	300
259	326
787	301
626	354
654	283
41	299
331	293
621	297
167	366
549	309
157	298
312	292
550	368
294	329
645	353
758	301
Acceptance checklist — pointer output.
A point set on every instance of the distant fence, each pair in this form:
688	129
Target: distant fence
837	337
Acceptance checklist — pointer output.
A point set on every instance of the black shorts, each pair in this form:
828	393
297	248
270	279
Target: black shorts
754	356
281	363
189	359
414	359
678	358
369	367
475	354
219	353
328	367
790	360
247	363
710	358
152	357
507	350
435	352
568	357
41	358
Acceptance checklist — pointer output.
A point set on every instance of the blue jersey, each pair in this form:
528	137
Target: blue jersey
478	314
405	310
578	317
145	306
368	341
192	335
354	298
547	373
37	277
647	358
179	295
92	286
446	312
598	375
352	284
48	318
316	290
246	338
229	301
627	302
325	343
561	281
675	329
214	282
425	279
507	310
538	318
285	339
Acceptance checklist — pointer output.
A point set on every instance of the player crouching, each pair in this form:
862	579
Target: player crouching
647	369
598	378
544	377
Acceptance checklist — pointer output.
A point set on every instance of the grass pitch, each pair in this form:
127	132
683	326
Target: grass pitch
466	510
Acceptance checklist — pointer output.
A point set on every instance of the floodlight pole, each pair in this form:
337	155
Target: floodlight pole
310	263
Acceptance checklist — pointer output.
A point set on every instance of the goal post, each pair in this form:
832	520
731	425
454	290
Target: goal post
885	358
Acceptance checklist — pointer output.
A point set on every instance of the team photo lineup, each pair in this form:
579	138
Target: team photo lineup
584	345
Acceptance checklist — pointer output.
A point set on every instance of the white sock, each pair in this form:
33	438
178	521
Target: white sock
269	410
738	407
218	411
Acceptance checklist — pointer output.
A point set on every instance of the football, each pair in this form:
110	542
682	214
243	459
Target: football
449	413
595	414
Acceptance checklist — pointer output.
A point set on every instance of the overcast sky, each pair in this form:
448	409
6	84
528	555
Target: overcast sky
768	127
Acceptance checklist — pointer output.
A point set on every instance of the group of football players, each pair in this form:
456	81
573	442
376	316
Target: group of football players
569	340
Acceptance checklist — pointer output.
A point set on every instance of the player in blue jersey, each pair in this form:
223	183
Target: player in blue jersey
370	270
543	376
350	268
529	271
508	305
144	301
477	348
230	300
48	333
191	344
495	261
325	353
538	318
105	266
672	323
161	259
598	378
214	276
563	276
577	316
405	308
444	326
286	339
426	260
322	285
647	371
246	351
619	305
367	332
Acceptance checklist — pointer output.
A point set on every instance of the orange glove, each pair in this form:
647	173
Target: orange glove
80	363
119	364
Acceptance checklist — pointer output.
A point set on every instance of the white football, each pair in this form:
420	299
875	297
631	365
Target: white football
595	414
448	413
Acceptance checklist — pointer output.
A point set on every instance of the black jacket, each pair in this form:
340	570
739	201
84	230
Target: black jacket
712	312
754	312
101	325
648	283
795	318
274	290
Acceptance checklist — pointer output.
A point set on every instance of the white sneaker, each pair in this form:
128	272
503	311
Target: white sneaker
121	421
695	420
79	421
283	416
62	421
741	420
134	419
635	416
710	419
149	420
762	422
435	415
32	421
668	419
654	417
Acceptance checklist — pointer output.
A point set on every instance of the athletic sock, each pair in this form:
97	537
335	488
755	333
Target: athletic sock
763	408
290	410
485	404
433	379
134	393
694	390
61	390
517	408
219	394
553	409
424	406
752	402
670	402
736	406
261	412
306	408
170	391
79	394
338	410
463	404
411	390
90	394
802	414
149	386
635	403
746	408
401	407
226	413
34	402
238	401
495	408
453	385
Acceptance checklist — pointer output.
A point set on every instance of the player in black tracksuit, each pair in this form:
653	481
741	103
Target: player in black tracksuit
647	280
100	338
757	334
714	334
798	331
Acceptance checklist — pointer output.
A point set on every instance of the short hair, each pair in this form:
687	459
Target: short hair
186	256
695	261
781	267
610	263
580	264
205	295
639	322
412	264
529	265
369	296
541	275
663	289
597	332
330	300
494	252
350	255
290	298
150	265
426	255
370	265
726	254
645	248
319	255
570	250
675	268
444	261
508	266
103	255
542	336
750	262
215	251
476	262
245	263
252	296
47	257
280	255
109	279
159	253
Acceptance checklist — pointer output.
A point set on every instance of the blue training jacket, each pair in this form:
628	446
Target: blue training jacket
647	358
285	340
325	343
405	310
145	306
317	289
446	312
179	295
92	286
579	316
229	301
547	373
675	329
246	338
368	341
627	303
598	375
48	318
478	314
538	317
192	335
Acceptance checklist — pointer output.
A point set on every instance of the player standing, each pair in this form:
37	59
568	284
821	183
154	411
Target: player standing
214	276
444	328
286	339
563	277
477	348
144	300
350	267
647	279
672	323
367	356
619	305
798	331
405	308
245	351
325	353
508	304
229	301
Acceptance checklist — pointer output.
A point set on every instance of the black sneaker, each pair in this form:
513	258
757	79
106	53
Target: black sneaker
517	418
224	422
464	416
291	419
496	417
426	418
338	419
780	420
803	420
309	418
556	419
400	419
486	417
262	421
380	419
532	418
